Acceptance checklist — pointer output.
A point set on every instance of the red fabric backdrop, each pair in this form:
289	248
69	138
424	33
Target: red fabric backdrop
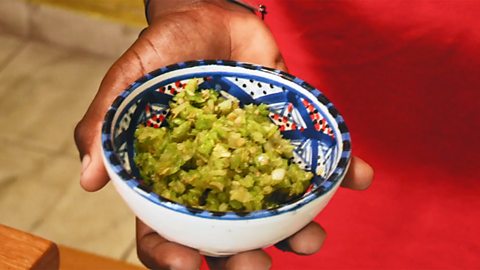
406	77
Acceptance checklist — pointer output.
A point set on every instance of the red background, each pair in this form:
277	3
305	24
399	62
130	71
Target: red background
406	77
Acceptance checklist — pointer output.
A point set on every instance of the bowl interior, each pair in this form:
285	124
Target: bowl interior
302	113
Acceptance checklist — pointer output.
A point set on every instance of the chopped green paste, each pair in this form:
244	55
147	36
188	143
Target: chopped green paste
217	156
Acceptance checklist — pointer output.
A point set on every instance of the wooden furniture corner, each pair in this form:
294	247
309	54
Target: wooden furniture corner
21	250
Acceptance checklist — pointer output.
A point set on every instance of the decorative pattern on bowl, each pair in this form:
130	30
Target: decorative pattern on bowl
303	114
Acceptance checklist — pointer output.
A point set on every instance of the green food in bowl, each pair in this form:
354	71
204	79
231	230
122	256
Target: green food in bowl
217	156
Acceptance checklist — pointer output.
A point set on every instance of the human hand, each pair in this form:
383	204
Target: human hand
184	30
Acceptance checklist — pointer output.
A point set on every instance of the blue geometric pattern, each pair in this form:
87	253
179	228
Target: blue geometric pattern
303	115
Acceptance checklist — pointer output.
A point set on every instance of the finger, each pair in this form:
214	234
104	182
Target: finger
93	176
254	259
158	253
307	241
359	175
87	138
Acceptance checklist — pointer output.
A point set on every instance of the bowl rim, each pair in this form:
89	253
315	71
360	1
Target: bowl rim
112	160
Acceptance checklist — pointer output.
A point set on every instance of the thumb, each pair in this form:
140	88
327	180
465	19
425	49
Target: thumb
87	138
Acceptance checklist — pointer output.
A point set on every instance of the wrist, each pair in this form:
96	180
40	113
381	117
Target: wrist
155	9
158	8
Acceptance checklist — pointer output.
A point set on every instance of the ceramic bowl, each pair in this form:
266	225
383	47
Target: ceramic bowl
304	116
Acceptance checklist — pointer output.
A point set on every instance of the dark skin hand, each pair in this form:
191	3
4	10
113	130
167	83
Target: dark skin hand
212	29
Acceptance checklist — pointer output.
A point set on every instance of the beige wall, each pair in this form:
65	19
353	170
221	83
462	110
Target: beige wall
127	11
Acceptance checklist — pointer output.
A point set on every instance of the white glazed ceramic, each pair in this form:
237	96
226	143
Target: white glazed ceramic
304	116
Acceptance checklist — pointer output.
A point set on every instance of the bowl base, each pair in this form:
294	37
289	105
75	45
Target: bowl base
217	254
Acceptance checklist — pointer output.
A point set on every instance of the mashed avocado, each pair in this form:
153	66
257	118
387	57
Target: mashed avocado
217	156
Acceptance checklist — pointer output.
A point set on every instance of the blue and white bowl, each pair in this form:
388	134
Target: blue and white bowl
303	114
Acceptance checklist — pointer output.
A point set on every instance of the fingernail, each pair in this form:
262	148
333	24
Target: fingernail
85	162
